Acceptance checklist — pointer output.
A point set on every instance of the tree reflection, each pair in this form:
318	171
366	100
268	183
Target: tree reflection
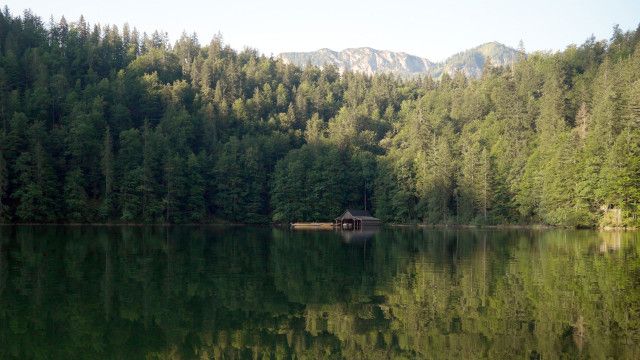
208	292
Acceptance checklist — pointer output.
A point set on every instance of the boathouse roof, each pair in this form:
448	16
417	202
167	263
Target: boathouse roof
357	214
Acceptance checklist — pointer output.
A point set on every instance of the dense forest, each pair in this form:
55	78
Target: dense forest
101	124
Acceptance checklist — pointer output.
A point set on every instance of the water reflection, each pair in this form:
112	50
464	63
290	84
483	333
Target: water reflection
360	236
191	292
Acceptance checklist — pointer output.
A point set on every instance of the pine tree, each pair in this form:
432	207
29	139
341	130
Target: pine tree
314	131
36	194
621	178
75	197
151	204
196	201
108	200
176	190
5	214
131	175
130	195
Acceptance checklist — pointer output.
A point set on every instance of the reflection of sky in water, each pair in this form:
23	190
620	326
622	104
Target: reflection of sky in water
213	292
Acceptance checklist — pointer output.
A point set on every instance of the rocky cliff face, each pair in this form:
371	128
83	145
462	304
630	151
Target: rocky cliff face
472	61
371	61
365	60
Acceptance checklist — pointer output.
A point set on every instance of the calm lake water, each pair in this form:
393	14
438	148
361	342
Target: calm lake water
262	293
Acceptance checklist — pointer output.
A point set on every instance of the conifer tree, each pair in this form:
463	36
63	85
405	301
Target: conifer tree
108	200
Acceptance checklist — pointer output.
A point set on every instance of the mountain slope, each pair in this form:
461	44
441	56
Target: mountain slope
365	60
371	61
472	61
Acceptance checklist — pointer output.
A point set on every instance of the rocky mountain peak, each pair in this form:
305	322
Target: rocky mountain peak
371	61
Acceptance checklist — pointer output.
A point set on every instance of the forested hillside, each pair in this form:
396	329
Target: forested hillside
102	124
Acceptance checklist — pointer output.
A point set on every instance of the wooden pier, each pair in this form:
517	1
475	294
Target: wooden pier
312	226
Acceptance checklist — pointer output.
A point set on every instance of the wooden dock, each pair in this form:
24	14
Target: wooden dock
312	226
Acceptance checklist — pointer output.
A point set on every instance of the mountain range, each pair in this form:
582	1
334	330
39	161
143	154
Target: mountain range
371	61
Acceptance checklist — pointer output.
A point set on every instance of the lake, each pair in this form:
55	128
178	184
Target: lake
264	293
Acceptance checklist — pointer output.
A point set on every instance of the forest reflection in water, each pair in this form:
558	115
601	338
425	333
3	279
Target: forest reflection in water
239	292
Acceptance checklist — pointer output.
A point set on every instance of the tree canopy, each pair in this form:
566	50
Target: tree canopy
102	124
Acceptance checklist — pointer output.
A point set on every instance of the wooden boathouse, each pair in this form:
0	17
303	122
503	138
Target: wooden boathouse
356	220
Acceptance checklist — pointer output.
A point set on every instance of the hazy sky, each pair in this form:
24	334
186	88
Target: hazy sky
432	29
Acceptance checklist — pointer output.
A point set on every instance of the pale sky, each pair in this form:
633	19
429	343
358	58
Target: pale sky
431	29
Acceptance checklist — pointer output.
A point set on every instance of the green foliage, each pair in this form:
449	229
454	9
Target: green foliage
75	197
100	124
519	145
4	185
107	207
37	191
316	182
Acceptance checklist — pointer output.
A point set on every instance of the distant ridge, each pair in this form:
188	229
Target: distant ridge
372	61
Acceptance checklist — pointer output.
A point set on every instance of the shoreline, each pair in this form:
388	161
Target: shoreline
314	226
513	227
